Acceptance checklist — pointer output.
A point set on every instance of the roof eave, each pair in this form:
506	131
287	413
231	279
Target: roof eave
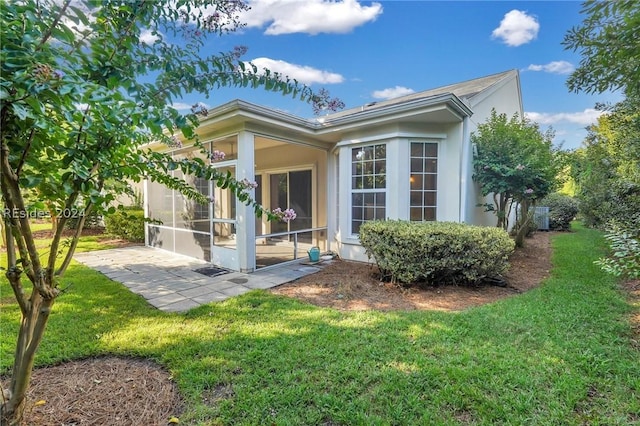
448	99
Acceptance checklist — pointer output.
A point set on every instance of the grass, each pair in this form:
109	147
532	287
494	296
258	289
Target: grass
559	354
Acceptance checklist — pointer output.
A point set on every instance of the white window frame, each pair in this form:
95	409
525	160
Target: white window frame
424	173
375	190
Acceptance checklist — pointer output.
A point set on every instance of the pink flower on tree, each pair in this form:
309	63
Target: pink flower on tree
528	191
286	216
174	142
247	184
520	167
217	155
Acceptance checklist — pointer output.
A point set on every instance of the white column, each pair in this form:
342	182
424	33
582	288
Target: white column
245	215
466	172
145	206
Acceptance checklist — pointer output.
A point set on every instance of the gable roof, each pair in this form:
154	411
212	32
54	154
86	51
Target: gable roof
464	91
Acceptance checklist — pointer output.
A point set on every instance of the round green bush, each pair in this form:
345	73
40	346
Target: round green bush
562	210
436	252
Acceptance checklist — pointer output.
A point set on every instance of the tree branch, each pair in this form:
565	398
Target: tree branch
47	34
25	152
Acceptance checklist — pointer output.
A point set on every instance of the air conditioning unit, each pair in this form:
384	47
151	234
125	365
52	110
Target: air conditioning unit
541	218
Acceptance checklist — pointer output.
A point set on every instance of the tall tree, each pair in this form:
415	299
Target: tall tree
84	87
607	40
607	167
515	164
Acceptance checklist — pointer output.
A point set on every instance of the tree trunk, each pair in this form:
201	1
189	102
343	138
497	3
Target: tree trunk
32	329
522	226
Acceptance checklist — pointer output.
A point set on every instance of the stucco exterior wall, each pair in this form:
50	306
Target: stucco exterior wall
505	99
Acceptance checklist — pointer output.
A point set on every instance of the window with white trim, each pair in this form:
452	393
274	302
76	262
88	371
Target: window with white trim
368	184
424	181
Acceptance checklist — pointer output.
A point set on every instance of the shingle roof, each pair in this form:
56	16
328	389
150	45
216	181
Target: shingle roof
464	90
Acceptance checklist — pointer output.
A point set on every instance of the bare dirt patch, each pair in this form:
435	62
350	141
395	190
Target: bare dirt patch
355	286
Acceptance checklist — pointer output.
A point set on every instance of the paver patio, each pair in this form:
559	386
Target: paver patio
169	281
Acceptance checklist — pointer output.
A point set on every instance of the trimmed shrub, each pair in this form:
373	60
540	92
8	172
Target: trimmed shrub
436	252
93	221
562	210
126	223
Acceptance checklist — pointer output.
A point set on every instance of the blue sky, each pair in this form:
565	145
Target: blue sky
366	51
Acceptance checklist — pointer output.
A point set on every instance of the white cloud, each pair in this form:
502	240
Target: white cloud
310	16
147	37
181	106
554	67
584	118
392	92
517	28
302	73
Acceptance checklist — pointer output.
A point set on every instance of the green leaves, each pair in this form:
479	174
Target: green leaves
607	40
515	161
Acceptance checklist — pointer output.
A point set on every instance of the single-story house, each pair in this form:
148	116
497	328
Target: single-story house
405	158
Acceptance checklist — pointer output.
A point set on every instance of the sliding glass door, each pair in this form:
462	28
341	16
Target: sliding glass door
292	190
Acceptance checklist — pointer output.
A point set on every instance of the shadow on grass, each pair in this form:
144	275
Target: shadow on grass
559	354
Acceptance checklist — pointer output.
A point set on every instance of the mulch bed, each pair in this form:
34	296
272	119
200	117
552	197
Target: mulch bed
102	391
356	286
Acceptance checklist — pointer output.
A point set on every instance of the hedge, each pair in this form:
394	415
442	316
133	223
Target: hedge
436	252
126	223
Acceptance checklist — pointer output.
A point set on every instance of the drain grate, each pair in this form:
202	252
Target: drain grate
211	271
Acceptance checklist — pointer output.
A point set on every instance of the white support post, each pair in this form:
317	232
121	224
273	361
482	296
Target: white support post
245	216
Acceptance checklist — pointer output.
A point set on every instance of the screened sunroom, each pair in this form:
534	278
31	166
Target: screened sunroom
225	232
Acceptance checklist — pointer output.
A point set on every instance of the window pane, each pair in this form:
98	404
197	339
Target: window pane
356	183
430	183
416	164
431	166
416	214
416	198
416	182
429	213
369	199
416	149
430	199
431	150
357	213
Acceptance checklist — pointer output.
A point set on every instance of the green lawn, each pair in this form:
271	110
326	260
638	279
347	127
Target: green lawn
558	355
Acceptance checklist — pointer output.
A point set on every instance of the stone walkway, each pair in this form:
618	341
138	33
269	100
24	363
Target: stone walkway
169	282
